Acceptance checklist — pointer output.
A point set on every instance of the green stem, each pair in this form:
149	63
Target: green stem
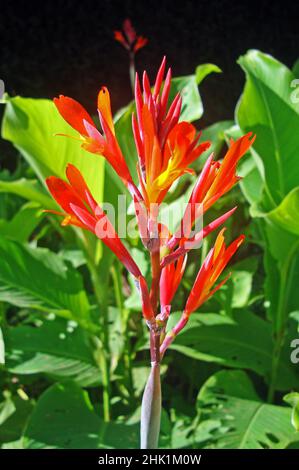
132	71
116	276
102	353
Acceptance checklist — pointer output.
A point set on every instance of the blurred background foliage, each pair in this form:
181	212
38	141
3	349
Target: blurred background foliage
71	330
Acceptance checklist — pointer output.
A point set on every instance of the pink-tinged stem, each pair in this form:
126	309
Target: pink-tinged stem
156	273
173	333
151	401
151	410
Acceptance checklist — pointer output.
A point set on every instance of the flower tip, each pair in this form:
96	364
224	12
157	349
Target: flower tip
241	239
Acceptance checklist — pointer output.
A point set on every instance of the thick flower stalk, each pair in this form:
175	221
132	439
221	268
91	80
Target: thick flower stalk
166	147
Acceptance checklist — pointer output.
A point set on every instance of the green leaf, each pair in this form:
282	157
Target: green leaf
242	342
14	413
286	215
266	108
192	107
295	68
57	348
242	278
28	189
37	278
245	422
281	260
64	418
203	70
234	383
216	135
31	125
21	226
293	400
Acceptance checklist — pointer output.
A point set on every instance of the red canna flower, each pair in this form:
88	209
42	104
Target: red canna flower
215	179
165	147
171	276
203	287
218	178
80	209
186	244
128	37
92	140
212	267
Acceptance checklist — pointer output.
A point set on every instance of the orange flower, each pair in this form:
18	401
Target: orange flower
165	147
210	271
217	178
80	209
203	287
92	140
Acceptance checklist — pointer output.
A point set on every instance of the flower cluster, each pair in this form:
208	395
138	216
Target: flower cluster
166	147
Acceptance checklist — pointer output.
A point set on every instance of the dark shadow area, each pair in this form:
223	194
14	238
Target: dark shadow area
67	47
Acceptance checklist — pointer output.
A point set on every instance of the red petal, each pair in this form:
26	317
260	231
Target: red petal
63	194
73	113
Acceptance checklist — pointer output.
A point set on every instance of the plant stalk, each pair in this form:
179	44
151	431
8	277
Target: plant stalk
151	401
132	71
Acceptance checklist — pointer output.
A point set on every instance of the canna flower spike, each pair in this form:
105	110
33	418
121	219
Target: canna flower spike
166	147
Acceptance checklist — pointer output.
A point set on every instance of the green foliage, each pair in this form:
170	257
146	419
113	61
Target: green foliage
57	348
293	400
36	278
267	109
244	421
242	342
14	412
21	226
31	125
64	418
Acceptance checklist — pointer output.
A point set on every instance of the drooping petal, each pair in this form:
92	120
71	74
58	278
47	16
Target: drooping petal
73	113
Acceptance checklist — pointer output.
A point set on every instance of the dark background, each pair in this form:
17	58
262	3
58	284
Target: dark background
48	48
